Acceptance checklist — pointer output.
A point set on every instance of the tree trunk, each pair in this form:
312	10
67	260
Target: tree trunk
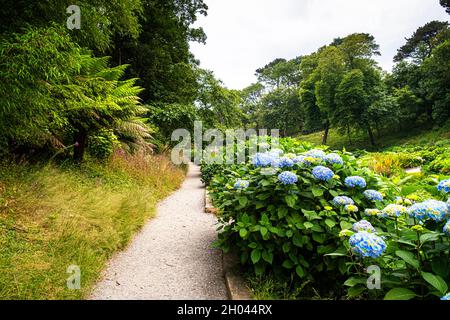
369	131
378	130
349	135
429	110
79	149
325	134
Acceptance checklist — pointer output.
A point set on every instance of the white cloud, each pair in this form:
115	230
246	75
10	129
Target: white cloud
244	35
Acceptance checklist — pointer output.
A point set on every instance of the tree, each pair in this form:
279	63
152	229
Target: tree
311	112
280	72
64	94
167	118
357	47
101	19
437	81
160	56
328	75
422	42
408	105
384	111
446	5
97	100
352	103
282	110
251	105
34	66
217	106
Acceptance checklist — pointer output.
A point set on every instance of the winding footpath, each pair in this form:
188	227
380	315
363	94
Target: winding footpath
171	258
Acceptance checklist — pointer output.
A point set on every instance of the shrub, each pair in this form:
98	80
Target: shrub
440	165
302	224
287	228
101	146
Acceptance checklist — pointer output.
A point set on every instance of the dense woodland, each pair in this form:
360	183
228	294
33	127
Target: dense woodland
127	78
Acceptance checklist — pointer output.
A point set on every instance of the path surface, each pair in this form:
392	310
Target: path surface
171	257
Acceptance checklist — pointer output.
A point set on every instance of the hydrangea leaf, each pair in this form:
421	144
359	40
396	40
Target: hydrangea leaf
399	294
255	256
436	281
408	257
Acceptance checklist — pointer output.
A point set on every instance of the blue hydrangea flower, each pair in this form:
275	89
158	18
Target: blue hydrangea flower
430	209
446	297
287	177
286	163
363	225
299	159
373	195
262	160
448	205
353	182
444	186
334	158
394	210
323	173
365	244
446	229
276	162
241	184
342	201
316	153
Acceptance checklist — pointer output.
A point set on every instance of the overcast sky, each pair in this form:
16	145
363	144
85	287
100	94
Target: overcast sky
244	35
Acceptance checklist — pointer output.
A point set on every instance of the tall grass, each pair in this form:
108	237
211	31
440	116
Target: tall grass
54	216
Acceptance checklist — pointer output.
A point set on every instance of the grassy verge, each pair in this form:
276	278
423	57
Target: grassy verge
52	217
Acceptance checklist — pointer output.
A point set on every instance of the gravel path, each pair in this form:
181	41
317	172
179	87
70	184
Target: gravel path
171	257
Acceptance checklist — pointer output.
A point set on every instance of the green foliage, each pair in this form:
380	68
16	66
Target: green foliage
280	73
101	20
281	109
351	100
288	230
341	86
63	92
296	234
209	171
101	145
160	56
446	5
415	264
437	81
422	42
171	117
250	105
218	106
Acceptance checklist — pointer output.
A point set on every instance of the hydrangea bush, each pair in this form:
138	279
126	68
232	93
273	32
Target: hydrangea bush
319	219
